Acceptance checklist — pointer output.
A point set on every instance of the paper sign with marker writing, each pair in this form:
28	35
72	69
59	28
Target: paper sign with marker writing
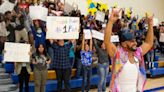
114	38
100	16
6	6
87	33
100	36
16	52
38	12
62	27
155	22
97	35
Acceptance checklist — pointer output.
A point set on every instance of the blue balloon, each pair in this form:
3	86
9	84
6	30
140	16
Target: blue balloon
92	5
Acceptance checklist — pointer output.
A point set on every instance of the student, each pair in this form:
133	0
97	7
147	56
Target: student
39	33
23	71
86	59
103	65
40	60
62	63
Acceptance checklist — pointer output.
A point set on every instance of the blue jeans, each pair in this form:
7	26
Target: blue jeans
72	59
103	70
150	59
87	73
79	67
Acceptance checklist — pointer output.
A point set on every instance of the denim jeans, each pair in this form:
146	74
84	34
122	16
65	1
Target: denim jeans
103	70
150	59
86	73
72	59
79	67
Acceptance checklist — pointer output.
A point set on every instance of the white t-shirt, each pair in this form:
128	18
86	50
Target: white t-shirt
127	79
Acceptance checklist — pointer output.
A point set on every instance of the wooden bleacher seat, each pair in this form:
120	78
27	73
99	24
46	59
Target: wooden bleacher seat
160	63
52	75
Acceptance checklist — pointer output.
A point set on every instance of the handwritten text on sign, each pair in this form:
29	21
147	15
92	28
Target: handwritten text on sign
62	27
17	52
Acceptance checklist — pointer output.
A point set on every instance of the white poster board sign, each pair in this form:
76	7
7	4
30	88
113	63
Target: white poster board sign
100	16
62	27
155	22
97	35
6	6
38	12
87	33
161	37
16	52
114	38
100	36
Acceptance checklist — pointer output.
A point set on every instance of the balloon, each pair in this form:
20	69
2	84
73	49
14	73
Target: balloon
115	5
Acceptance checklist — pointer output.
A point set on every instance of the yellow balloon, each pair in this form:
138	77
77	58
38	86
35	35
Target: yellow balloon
92	10
128	15
104	7
147	14
115	5
89	2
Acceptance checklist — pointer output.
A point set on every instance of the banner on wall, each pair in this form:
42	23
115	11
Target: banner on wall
62	27
13	54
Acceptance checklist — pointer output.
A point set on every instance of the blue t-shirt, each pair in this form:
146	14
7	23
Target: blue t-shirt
39	36
86	58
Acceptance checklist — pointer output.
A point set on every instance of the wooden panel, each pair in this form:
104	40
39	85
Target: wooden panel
52	75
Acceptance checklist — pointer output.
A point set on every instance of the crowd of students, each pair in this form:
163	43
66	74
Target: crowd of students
63	55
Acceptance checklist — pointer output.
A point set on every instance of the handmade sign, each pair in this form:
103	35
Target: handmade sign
62	27
16	52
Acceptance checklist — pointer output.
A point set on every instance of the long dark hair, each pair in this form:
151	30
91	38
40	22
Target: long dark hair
44	51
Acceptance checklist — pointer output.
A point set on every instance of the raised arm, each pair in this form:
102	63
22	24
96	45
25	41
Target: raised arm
111	48
95	44
147	45
83	40
91	43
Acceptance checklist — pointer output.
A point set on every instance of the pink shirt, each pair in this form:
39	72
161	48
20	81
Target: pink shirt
119	61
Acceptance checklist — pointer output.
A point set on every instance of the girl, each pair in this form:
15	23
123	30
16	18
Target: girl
39	32
86	59
40	61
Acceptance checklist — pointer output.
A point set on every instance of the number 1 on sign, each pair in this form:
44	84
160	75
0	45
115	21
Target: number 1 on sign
65	29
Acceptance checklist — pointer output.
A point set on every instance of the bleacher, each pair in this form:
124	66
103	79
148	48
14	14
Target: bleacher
158	67
52	83
75	83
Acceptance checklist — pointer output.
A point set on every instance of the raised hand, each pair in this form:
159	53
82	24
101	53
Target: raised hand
115	14
150	19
